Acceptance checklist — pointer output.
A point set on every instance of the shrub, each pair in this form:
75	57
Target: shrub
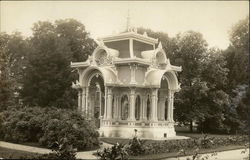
116	152
136	147
47	125
168	146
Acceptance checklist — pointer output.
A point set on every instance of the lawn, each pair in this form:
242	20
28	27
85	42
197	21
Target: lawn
7	153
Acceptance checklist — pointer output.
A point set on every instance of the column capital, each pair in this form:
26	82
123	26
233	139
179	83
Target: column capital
109	91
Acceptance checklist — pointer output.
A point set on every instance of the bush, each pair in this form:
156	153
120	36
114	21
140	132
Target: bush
47	125
169	146
136	147
116	152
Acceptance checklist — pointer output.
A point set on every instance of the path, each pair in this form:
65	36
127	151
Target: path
225	155
82	155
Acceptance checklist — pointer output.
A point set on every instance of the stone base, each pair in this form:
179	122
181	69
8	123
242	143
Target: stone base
143	132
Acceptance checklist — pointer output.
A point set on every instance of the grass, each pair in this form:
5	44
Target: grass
7	153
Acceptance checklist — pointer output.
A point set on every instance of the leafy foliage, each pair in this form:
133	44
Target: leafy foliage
46	126
48	77
116	152
189	145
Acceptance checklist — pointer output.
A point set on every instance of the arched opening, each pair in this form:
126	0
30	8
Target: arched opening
137	107
148	108
124	107
166	110
96	97
162	97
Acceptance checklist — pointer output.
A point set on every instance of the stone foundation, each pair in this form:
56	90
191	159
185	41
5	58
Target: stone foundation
143	131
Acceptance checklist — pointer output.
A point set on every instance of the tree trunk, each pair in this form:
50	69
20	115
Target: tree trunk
191	126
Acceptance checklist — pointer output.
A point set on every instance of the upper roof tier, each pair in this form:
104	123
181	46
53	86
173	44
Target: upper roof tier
128	35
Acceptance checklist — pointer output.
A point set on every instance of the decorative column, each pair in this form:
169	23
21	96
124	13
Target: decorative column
83	100
132	105
141	108
87	102
119	107
115	107
144	105
80	100
154	105
171	106
109	104
133	67
105	103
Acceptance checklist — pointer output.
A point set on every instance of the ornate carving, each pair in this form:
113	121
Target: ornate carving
76	85
104	60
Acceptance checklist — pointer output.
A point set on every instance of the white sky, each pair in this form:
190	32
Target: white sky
213	19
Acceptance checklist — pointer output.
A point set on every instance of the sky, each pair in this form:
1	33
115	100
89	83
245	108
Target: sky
213	19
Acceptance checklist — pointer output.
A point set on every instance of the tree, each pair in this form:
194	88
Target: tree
12	64
237	54
5	82
48	75
190	55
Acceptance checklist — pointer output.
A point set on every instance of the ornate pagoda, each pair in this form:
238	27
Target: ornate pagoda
127	87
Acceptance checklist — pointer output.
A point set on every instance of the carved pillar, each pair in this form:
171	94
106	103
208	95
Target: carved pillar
87	102
171	106
109	103
79	100
105	104
115	107
132	105
119	106
154	105
132	73
83	100
141	107
144	107
92	105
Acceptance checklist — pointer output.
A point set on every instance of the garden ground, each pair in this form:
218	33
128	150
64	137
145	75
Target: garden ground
230	152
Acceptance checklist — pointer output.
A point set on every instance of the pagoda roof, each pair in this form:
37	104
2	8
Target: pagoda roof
129	35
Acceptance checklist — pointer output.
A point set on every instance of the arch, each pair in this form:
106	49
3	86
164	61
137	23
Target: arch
95	94
137	107
124	107
154	77
108	75
103	50
158	54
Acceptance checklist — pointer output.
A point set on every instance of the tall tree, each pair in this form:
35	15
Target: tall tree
237	54
48	75
190	55
237	57
12	64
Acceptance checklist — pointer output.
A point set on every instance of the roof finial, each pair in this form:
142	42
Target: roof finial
160	45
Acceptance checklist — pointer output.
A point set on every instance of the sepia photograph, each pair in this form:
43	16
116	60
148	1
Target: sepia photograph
121	80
